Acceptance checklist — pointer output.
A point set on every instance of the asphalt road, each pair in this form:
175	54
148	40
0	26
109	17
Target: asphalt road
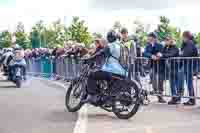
155	118
37	107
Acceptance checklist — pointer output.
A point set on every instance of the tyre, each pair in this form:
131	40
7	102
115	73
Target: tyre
18	83
75	85
125	101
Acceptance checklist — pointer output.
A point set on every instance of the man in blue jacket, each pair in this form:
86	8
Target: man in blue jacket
151	51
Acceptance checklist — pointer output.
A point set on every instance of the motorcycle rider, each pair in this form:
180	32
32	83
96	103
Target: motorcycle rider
6	58
18	60
110	68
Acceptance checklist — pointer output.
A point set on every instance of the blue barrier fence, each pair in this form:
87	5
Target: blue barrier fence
158	77
61	67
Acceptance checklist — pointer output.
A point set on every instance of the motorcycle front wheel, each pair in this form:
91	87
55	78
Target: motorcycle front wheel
73	96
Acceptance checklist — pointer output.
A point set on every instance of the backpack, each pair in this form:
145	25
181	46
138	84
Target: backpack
124	56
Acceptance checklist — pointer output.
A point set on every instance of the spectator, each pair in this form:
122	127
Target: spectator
98	45
54	52
60	52
188	49
35	53
130	47
151	51
171	50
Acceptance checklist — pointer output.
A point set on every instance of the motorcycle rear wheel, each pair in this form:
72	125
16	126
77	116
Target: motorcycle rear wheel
134	102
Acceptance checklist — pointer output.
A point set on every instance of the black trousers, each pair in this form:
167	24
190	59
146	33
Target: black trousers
93	77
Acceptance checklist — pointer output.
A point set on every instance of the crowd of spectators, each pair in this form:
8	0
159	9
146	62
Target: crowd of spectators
68	50
181	66
154	50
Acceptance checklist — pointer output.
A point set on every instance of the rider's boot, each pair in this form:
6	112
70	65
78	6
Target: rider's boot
92	99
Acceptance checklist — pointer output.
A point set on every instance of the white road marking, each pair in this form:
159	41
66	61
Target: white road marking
82	121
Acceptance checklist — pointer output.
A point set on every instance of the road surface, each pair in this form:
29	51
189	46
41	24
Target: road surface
38	107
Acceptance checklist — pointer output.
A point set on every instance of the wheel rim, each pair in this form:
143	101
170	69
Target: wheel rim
75	100
126	109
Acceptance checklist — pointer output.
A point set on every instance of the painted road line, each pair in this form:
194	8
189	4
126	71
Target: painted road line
82	121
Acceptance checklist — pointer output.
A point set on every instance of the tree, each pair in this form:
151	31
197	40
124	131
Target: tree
140	32
22	37
197	39
176	34
5	39
36	36
97	35
56	34
163	28
78	32
117	26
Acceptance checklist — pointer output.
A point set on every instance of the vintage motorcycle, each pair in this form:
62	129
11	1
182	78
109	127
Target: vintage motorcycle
121	96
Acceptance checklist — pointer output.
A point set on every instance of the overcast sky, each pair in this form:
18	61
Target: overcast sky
100	14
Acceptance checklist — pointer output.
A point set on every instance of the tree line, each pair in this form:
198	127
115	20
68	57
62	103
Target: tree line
55	34
49	36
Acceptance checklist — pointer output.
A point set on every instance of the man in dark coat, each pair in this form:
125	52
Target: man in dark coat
188	49
171	65
151	51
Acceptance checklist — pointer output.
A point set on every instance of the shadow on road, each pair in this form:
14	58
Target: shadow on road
62	116
102	117
4	81
8	87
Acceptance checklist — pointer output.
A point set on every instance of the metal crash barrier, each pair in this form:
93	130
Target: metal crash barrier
65	68
172	77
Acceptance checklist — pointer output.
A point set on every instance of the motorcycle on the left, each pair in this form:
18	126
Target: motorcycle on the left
16	75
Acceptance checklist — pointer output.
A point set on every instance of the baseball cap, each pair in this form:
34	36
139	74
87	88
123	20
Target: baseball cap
124	30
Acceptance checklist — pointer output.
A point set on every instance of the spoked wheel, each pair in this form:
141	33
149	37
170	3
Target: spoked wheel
128	103
73	96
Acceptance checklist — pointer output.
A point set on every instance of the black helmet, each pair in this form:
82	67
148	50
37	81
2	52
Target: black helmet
111	36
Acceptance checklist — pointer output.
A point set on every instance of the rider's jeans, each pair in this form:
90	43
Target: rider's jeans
93	77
